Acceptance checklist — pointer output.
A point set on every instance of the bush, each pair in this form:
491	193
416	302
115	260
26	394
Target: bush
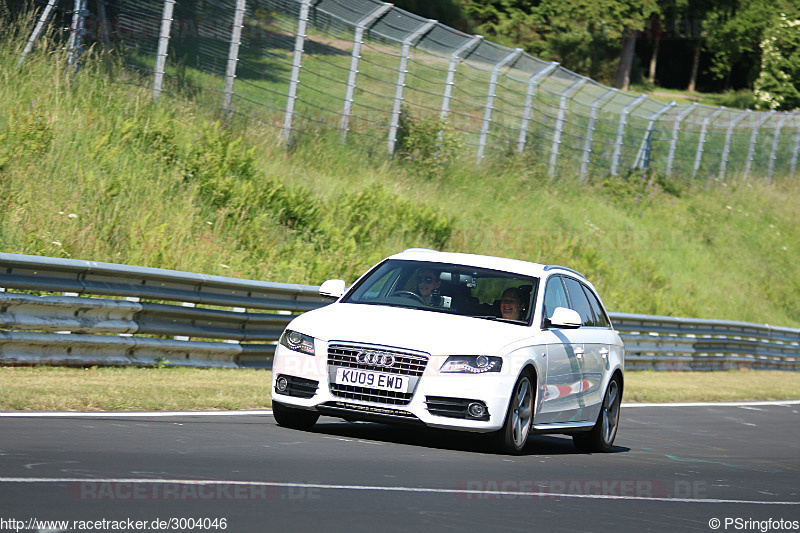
778	84
743	99
427	144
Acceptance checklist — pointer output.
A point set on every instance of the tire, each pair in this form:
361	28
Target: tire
511	439
291	417
602	435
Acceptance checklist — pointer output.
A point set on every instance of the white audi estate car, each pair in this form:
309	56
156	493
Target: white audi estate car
457	341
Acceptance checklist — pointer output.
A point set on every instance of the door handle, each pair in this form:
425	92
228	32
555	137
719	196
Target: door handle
604	352
579	352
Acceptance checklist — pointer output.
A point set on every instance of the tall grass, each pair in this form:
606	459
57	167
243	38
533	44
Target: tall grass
91	169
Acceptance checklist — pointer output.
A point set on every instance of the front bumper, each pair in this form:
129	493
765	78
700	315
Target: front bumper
436	400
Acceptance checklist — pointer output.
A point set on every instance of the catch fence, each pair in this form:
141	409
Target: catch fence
368	70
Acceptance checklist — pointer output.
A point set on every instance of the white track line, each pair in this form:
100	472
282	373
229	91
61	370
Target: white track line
714	404
421	490
127	414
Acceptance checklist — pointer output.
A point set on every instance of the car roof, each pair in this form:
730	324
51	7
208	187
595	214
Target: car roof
482	261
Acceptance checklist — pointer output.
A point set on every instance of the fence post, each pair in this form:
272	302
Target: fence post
623	119
643	157
76	31
676	128
233	57
465	48
727	148
358	39
775	140
533	85
294	78
701	142
402	69
37	31
487	110
163	43
752	148
103	28
587	143
562	111
451	72
796	150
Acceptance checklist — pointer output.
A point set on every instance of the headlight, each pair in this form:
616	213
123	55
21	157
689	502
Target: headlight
472	364
298	342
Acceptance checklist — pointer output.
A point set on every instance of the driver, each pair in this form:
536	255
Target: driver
427	282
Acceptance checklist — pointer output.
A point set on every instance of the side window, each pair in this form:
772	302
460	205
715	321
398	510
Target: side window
600	318
379	285
579	302
554	296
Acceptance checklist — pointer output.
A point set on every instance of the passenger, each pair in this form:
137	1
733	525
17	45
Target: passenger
511	304
427	282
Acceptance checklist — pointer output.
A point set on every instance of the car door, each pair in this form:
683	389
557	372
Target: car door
596	335
560	392
597	363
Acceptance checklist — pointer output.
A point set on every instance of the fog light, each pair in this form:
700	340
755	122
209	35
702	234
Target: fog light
281	384
476	410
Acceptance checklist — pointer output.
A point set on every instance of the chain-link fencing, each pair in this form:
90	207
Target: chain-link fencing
367	69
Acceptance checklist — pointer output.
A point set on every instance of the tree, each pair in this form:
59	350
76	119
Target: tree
583	35
689	21
778	83
447	12
623	79
734	30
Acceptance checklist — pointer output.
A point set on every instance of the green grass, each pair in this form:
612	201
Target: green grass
90	169
132	389
717	386
743	99
141	389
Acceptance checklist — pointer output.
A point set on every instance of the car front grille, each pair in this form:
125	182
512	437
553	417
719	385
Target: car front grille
411	364
406	364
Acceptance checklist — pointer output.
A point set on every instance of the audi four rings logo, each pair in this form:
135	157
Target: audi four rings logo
375	359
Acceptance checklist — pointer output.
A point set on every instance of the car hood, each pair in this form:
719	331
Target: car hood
426	331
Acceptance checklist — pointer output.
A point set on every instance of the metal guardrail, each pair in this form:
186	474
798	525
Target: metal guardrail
110	314
668	343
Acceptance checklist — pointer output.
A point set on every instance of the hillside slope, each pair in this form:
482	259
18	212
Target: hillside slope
90	169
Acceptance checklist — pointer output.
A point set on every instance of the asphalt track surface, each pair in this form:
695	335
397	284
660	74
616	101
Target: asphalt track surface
674	468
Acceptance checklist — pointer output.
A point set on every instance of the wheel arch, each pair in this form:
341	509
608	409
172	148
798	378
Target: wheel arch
530	368
621	377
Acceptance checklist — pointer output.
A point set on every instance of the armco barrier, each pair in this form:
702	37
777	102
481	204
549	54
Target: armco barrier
668	343
109	314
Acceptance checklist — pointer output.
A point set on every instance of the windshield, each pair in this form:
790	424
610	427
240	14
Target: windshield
448	288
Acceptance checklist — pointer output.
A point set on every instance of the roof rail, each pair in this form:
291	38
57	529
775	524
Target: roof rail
419	250
551	267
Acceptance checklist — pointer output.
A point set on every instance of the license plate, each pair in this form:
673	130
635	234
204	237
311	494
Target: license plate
372	380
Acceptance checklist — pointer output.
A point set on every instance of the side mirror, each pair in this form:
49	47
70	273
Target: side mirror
333	289
564	318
